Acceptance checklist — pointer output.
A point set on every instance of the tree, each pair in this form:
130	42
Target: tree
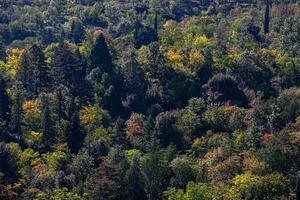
268	4
155	175
118	135
100	56
33	71
223	88
68	69
8	167
106	80
47	124
183	172
77	31
2	50
164	124
15	129
4	108
105	183
135	85
134	181
75	134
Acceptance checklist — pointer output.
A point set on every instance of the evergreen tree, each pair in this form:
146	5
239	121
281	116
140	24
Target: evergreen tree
4	108
15	129
100	56
105	183
33	71
2	50
75	134
68	69
77	31
135	84
267	16
118	136
154	174
134	180
47	122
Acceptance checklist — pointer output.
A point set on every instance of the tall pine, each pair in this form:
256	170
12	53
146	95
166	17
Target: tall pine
2	50
47	123
106	80
68	69
4	108
100	56
33	72
15	128
75	135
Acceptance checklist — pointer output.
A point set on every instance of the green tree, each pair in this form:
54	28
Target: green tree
100	56
68	68
15	128
105	183
4	108
134	181
75	133
2	50
33	71
47	124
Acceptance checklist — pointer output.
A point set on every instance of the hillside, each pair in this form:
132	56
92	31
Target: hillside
149	99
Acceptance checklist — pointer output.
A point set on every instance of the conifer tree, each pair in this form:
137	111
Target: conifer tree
15	129
134	180
4	107
2	50
100	56
33	71
47	122
75	134
68	69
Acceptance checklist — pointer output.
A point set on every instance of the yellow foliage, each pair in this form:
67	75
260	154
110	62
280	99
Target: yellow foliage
35	135
31	106
88	115
201	41
14	60
170	24
253	166
132	152
142	55
196	57
174	56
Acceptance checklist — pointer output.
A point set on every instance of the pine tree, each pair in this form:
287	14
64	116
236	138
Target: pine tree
33	71
68	69
118	135
267	16
107	81
47	122
134	180
75	135
4	108
100	56
15	129
77	30
2	50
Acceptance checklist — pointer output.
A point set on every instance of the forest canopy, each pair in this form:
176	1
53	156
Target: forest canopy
149	99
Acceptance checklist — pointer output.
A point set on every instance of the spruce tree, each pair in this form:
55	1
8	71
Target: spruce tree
15	128
46	122
134	181
100	56
75	135
68	69
33	71
118	135
2	50
4	108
